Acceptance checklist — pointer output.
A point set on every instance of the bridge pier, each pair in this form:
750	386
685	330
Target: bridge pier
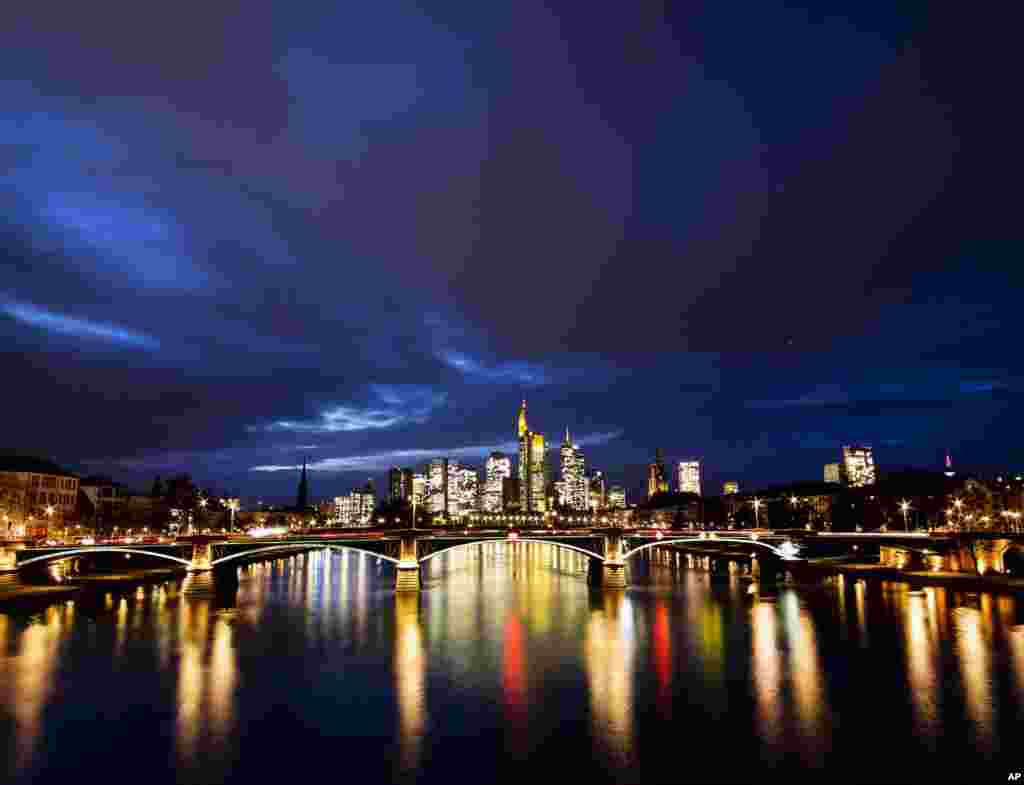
202	557
200	585
613	571
407	576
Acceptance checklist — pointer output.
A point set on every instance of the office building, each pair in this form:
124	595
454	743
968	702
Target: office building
730	488
573	492
657	480
532	468
689	477
858	465
437	488
497	470
833	473
616	498
356	508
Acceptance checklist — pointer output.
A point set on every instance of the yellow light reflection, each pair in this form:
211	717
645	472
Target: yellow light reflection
608	652
975	658
410	680
767	672
921	649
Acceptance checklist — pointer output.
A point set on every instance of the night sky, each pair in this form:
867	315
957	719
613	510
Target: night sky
236	233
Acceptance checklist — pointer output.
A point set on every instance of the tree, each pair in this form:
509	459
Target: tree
158	491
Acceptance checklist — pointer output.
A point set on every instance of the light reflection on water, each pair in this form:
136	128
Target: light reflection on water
507	648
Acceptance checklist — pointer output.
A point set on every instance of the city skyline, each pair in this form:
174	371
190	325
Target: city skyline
792	272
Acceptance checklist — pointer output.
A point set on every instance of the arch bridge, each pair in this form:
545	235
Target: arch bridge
410	549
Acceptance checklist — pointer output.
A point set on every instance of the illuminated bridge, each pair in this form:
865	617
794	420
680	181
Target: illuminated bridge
610	549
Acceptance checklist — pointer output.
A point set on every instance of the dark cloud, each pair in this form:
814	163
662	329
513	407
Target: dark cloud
742	232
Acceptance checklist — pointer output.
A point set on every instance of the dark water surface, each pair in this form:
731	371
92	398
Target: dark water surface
509	666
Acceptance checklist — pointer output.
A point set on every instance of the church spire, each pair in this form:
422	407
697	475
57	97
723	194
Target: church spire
567	439
302	499
522	420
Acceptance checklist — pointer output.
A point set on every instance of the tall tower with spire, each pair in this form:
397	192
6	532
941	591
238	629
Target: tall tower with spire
302	498
532	467
657	482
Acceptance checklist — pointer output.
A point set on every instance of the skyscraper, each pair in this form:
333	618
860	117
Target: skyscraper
730	488
859	465
598	496
532	468
419	487
399	485
689	477
499	467
657	482
573	490
437	486
833	473
616	498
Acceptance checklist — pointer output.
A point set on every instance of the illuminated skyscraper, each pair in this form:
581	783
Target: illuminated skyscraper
616	498
833	473
399	484
573	492
418	487
463	485
499	467
437	489
657	482
730	488
532	467
859	465
598	496
689	477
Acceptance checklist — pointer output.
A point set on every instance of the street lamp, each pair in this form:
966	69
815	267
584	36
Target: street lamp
757	507
904	506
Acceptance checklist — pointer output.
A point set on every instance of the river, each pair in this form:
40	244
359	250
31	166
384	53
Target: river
508	666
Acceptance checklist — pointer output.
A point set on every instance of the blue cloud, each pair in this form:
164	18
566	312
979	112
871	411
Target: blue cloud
79	328
381	461
521	373
390	406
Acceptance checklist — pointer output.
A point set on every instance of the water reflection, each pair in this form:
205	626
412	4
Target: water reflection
521	650
608	651
410	678
921	650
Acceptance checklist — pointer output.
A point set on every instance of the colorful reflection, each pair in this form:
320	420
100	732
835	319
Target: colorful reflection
608	653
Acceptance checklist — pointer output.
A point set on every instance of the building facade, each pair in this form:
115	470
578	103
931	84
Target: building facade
532	468
399	484
356	508
497	470
437	486
657	480
689	477
859	465
37	497
833	473
616	498
573	490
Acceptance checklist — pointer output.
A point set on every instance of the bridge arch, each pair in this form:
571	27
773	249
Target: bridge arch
295	546
555	543
61	555
785	555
